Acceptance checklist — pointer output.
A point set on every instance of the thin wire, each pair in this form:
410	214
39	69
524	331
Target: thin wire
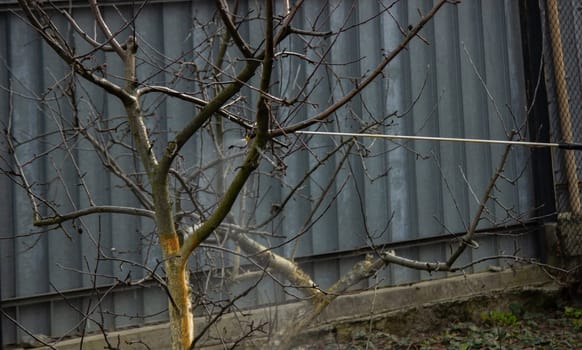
440	139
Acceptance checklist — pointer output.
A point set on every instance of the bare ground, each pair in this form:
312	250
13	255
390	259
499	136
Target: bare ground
520	319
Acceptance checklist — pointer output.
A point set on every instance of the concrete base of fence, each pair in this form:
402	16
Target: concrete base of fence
359	305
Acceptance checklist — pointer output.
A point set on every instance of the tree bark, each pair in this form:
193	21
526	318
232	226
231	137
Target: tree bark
180	308
179	305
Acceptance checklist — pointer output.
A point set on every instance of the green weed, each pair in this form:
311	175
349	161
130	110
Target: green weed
574	314
499	318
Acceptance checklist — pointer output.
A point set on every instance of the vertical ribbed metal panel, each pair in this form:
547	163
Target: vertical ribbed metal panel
460	84
7	225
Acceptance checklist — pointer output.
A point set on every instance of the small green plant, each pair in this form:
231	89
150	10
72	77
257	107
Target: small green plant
574	314
500	318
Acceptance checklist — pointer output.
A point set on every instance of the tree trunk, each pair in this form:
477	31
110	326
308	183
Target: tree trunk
181	319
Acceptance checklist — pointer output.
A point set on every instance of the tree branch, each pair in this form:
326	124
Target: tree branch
263	106
467	239
250	163
267	259
206	113
195	100
94	43
361	85
46	28
224	95
232	30
105	29
366	268
110	163
58	219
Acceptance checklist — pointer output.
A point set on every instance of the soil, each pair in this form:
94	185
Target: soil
524	319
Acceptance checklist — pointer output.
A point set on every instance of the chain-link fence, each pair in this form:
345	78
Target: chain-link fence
563	53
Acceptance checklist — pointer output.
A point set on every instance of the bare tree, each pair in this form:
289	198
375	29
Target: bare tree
241	115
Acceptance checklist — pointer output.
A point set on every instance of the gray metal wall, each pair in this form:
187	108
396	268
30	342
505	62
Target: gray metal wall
467	82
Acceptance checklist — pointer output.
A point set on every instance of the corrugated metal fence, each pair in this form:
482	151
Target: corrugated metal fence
468	81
